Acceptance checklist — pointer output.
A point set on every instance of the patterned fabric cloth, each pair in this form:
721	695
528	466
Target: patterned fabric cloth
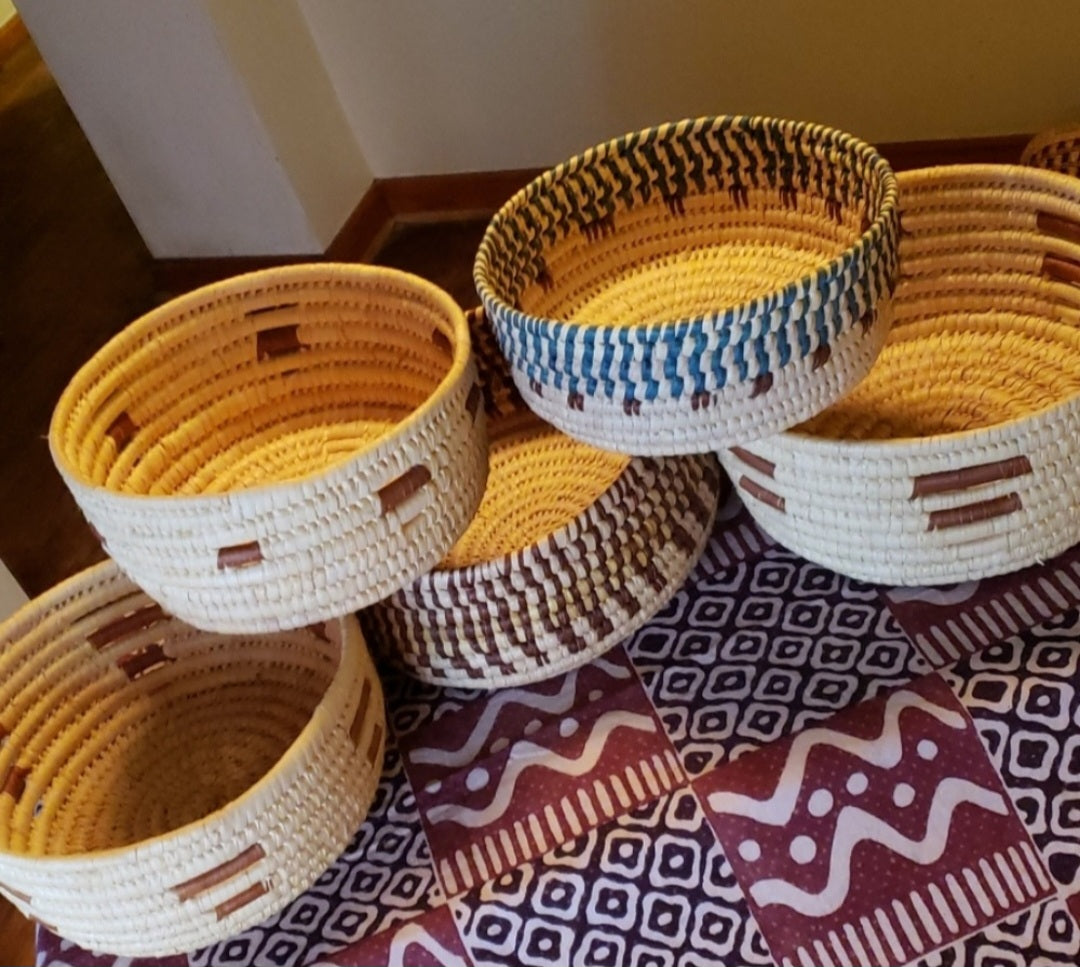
785	766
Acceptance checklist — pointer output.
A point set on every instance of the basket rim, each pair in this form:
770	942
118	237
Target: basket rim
298	272
863	248
346	671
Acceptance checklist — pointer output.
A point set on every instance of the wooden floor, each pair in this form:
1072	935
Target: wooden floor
74	271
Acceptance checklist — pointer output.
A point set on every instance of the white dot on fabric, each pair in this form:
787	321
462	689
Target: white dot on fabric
477	779
500	743
926	749
821	801
750	850
803	849
567	727
533	727
857	783
903	795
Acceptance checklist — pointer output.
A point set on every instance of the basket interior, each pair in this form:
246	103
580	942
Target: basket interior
123	724
682	221
986	331
264	379
538	482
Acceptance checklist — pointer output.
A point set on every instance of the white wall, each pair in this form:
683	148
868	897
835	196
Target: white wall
483	84
167	112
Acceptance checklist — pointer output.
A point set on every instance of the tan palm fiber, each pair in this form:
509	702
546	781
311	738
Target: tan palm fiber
981	370
1055	149
572	550
697	284
279	448
164	788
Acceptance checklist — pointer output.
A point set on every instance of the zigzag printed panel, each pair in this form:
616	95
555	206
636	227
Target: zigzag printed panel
510	775
948	623
877	837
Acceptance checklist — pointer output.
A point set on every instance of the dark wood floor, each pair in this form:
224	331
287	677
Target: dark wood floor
74	271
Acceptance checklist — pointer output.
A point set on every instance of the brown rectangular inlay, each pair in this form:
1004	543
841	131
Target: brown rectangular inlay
281	341
755	489
242	899
136	621
973	513
278	307
472	403
947	481
239	555
395	493
361	712
138	663
760	464
122	429
442	341
15	782
1057	226
375	744
219	874
1061	270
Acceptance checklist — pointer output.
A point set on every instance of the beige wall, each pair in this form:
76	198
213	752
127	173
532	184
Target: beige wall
480	84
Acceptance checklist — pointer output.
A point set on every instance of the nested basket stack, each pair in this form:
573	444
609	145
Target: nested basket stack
695	285
573	549
259	457
956	458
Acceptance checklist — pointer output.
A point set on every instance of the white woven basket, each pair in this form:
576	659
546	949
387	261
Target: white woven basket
957	457
280	448
162	788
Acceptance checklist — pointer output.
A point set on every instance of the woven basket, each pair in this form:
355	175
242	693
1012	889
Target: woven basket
161	787
280	448
957	457
572	550
1057	149
694	285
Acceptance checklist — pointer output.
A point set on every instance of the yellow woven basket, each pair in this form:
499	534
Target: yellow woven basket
280	448
572	549
162	788
956	458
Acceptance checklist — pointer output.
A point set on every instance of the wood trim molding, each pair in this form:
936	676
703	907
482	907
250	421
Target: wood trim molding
390	201
13	34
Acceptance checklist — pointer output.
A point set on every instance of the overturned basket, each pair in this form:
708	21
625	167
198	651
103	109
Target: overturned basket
280	448
572	550
694	285
161	787
957	457
1057	149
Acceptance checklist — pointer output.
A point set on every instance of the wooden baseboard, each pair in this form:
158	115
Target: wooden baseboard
13	34
390	201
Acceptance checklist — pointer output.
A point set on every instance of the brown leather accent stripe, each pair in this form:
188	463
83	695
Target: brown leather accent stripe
136	621
395	493
375	744
252	893
820	357
1059	227
319	631
361	712
1061	270
239	555
219	874
138	663
973	513
760	464
475	397
762	385
947	481
442	341
755	489
264	310
122	429
281	341
15	782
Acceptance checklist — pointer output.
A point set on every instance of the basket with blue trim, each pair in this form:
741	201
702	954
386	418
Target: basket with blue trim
694	285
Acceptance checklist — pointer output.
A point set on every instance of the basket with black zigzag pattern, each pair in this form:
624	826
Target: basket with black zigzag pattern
957	457
572	549
162	788
1056	149
694	285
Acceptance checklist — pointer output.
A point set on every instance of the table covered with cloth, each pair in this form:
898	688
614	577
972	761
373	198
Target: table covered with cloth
784	766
